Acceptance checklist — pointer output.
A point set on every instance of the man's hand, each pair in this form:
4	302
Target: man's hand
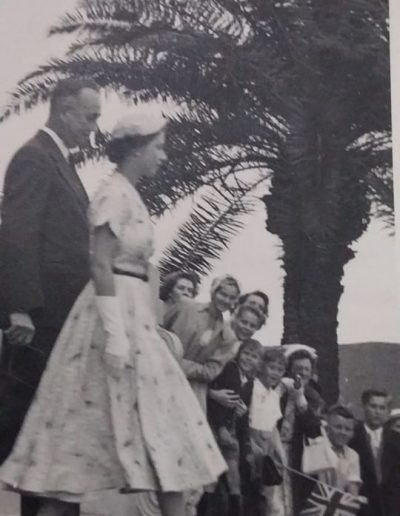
21	331
225	397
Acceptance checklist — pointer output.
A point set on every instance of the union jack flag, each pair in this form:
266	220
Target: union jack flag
328	501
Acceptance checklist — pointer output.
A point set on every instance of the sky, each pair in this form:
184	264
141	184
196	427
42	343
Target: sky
368	309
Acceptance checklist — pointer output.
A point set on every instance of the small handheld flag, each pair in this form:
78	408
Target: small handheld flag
328	501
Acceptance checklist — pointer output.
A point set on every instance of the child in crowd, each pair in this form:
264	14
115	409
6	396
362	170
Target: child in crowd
246	320
264	414
228	400
339	465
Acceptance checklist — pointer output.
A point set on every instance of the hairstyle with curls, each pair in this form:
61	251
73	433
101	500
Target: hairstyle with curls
258	293
372	393
171	279
70	87
301	354
340	410
241	309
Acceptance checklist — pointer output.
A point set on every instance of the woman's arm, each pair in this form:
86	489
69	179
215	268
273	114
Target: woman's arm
212	367
104	244
117	344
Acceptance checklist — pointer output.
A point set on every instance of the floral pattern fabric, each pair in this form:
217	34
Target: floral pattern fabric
94	425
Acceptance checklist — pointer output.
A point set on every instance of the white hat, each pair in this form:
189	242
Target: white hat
289	349
143	122
395	414
217	282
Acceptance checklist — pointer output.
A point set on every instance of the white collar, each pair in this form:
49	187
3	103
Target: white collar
339	453
243	377
58	141
375	435
265	410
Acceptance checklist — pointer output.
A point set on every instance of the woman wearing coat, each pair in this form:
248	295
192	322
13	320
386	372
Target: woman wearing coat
208	340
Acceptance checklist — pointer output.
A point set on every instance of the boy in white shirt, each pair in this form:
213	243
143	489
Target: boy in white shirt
342	463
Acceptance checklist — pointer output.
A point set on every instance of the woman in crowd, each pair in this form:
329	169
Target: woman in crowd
228	401
256	299
114	410
302	406
208	341
177	285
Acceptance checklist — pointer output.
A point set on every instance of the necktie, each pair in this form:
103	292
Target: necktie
375	448
75	158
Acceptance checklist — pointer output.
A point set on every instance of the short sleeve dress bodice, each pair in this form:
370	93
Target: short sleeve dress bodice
120	206
139	428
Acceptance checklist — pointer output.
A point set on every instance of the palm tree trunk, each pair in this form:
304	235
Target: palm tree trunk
312	291
318	311
317	205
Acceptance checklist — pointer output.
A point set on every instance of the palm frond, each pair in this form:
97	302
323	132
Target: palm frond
217	217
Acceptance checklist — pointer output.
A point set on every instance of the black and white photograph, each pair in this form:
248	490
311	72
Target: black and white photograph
199	258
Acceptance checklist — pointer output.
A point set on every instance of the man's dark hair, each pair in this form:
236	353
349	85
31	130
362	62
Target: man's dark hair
340	410
70	88
372	393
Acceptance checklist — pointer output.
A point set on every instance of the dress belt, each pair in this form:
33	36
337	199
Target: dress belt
132	274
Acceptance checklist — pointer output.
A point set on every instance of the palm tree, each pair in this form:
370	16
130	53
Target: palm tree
289	93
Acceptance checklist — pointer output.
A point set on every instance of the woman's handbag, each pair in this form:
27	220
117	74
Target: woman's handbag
270	474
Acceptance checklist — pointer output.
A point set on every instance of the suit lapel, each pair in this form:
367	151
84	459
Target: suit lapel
66	171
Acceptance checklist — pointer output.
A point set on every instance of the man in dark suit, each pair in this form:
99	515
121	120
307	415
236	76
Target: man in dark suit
44	250
379	450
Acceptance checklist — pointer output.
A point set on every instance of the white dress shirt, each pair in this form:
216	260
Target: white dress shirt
265	410
342	467
375	437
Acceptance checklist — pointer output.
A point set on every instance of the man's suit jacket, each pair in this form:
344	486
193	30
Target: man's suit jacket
44	236
384	497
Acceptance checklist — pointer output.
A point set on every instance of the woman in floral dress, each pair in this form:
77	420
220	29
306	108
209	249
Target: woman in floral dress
114	409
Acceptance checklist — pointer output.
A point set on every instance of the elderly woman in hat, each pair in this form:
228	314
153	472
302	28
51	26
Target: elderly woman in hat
208	340
114	409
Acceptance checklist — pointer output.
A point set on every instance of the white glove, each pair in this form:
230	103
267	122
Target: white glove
21	330
117	342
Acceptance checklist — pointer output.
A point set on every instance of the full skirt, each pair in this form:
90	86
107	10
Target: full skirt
94	427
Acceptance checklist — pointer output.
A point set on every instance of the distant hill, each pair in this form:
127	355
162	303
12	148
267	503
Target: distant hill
369	365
